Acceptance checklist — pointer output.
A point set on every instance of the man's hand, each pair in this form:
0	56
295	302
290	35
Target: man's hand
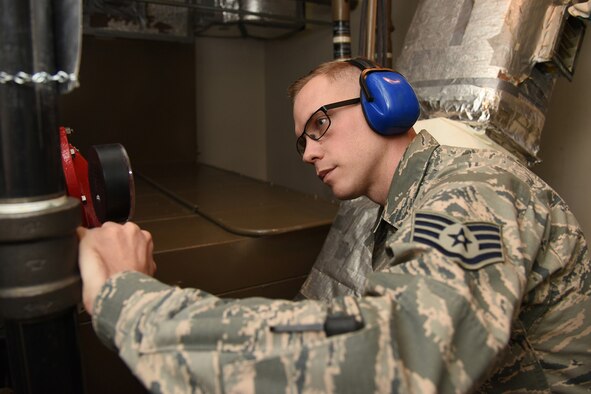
111	249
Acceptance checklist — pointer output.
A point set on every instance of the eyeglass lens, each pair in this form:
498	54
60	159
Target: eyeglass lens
319	122
315	128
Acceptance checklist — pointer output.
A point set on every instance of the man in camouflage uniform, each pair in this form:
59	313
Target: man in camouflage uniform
480	280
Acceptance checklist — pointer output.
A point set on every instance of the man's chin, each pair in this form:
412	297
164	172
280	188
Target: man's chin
342	195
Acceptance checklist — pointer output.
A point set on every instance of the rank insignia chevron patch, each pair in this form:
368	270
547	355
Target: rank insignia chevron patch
472	245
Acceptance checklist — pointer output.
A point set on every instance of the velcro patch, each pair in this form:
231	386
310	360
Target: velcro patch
472	245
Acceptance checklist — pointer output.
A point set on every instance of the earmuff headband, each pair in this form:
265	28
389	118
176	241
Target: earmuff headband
363	77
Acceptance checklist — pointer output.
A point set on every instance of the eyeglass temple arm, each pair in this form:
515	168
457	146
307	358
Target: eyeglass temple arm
341	104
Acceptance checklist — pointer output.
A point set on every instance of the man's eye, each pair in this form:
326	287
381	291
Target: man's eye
317	125
321	122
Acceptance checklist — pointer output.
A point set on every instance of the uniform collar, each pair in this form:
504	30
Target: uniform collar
407	179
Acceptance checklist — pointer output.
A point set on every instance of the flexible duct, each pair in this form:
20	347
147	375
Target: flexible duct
491	64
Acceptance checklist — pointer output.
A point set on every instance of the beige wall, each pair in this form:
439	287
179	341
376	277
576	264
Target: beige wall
230	85
291	59
566	140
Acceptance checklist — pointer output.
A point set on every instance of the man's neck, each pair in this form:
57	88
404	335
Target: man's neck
387	167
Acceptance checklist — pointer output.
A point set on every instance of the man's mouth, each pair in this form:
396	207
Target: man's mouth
322	174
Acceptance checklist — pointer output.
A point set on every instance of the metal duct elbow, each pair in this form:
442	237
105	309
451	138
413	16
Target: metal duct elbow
491	65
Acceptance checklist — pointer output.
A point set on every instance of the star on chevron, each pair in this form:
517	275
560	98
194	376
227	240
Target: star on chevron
460	239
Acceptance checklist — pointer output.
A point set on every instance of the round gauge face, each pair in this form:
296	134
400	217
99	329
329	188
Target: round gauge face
111	182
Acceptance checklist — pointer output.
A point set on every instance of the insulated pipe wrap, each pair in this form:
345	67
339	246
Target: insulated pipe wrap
490	64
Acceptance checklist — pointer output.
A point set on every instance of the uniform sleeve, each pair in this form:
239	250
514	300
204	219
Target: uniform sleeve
459	270
435	318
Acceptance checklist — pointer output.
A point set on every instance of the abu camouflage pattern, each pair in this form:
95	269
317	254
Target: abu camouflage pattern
425	324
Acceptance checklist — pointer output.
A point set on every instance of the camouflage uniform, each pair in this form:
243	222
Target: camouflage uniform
482	282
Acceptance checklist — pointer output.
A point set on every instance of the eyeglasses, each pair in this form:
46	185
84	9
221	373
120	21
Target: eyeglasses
318	124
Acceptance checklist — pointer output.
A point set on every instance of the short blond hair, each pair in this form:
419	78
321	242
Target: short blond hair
334	70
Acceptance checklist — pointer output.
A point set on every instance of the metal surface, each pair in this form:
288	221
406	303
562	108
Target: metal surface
375	41
23	78
238	204
36	219
384	55
30	166
370	48
275	234
182	20
228	264
39	280
68	40
37	350
488	64
252	18
38	255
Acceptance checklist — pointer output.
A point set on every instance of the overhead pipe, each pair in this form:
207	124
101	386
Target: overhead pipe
370	25
384	35
390	46
375	41
341	29
209	8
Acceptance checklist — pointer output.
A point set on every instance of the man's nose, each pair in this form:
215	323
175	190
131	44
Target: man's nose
313	151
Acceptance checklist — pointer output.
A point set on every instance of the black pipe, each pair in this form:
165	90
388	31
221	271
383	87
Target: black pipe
30	168
39	361
39	280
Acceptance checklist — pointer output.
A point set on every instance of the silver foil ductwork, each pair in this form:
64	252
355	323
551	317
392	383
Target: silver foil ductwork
491	64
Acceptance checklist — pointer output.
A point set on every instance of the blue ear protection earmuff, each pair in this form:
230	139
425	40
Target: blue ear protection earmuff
389	103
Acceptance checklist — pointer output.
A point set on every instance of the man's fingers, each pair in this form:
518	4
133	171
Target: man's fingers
147	235
109	250
580	9
584	7
150	250
81	231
